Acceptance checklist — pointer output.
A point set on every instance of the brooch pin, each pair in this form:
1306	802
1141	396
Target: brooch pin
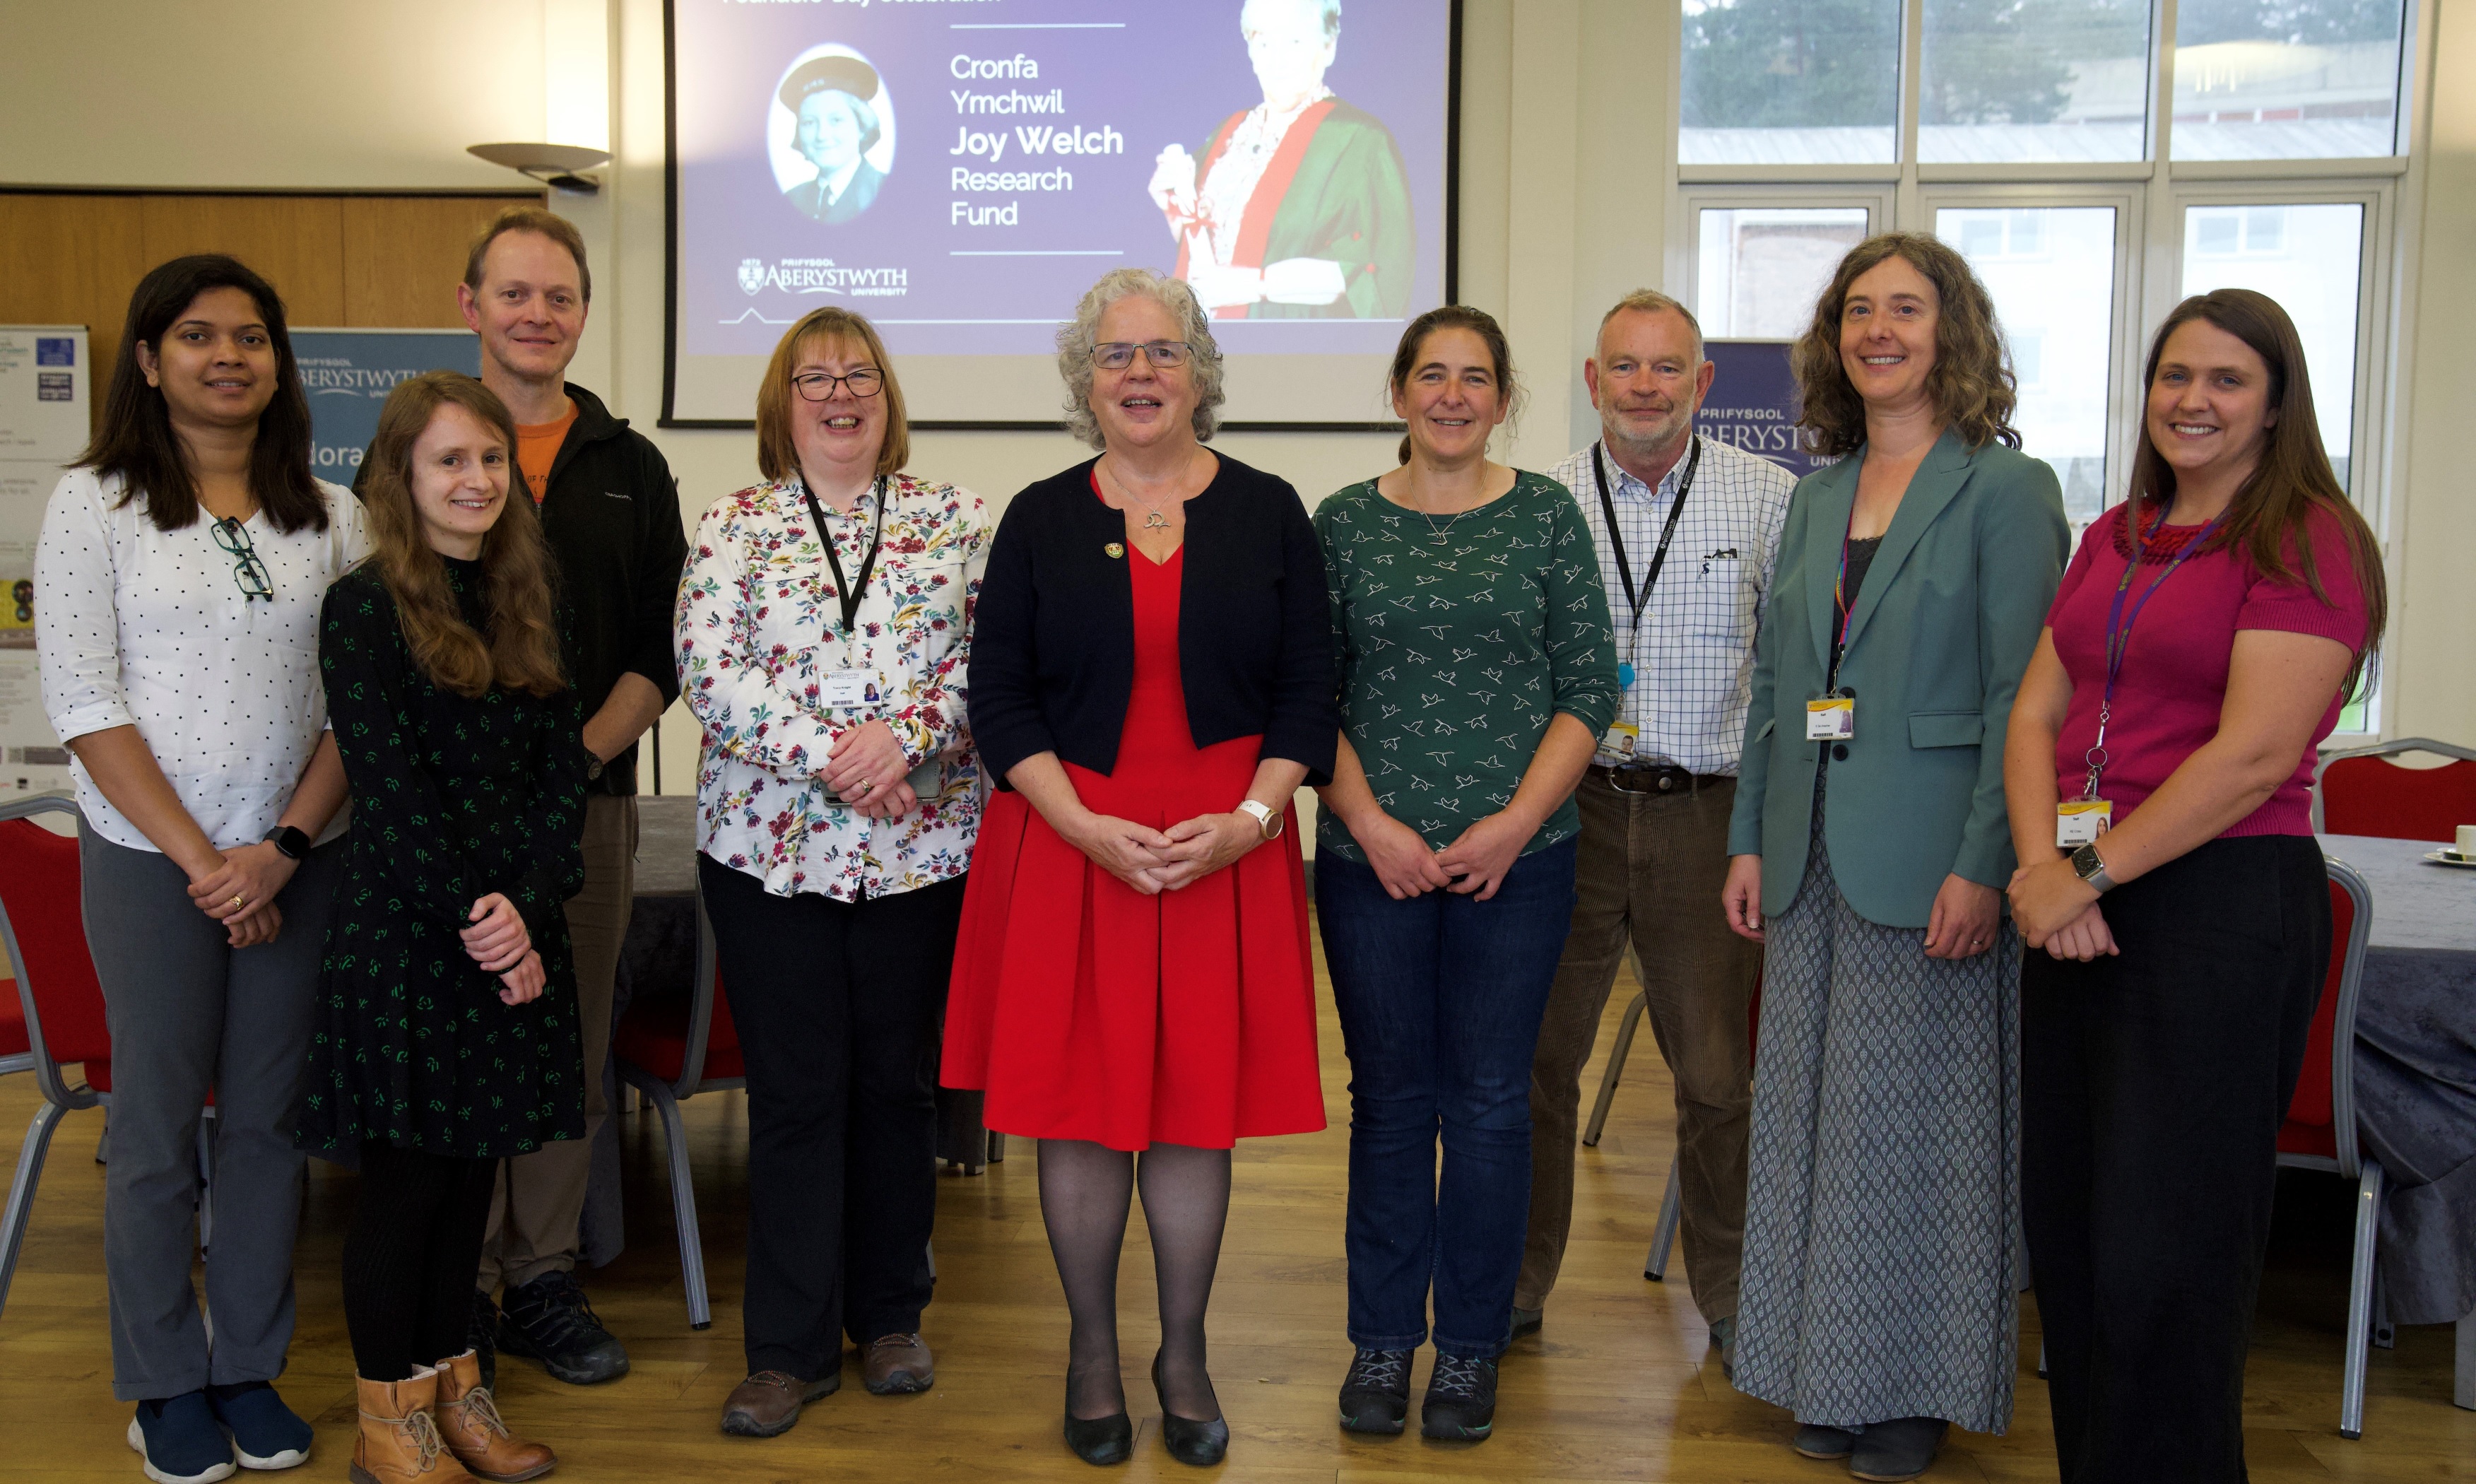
1115	550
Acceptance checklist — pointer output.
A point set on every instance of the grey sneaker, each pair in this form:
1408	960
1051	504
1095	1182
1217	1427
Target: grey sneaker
1900	1449
1527	1322
1825	1443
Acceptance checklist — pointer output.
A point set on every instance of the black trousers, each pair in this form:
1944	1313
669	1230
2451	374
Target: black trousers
839	1007
2153	1087
408	1257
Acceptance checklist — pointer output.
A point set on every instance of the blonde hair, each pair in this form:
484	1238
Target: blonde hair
778	453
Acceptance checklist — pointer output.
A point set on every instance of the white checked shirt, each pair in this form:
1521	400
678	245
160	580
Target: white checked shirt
1692	651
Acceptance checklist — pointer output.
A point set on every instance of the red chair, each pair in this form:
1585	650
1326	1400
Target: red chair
16	1051
2359	792
668	1050
57	994
2321	1128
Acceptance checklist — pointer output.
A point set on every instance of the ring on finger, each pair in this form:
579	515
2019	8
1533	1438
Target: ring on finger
239	899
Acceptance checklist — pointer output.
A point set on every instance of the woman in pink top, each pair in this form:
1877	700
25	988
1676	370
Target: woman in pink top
2157	774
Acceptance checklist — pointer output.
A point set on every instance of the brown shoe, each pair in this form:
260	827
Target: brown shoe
400	1441
468	1418
767	1403
898	1365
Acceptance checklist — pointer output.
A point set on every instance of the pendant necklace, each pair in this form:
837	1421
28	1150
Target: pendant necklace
1154	519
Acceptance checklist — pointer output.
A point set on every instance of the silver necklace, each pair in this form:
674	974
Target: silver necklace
1153	520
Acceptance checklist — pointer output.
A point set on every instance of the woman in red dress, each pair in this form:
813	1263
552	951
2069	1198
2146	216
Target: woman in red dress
1152	678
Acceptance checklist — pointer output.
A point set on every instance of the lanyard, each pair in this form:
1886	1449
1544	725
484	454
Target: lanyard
850	594
2119	627
1667	533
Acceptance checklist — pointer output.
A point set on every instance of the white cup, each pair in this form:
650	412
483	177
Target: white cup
2467	840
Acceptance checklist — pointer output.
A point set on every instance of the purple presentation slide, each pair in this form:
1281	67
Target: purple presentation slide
961	170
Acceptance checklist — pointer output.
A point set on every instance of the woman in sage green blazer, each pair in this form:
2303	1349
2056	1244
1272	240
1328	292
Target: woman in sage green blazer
1883	1185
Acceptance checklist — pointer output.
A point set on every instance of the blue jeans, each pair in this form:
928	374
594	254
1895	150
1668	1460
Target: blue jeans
1441	997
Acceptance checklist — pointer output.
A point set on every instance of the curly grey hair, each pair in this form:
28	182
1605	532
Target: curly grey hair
1076	340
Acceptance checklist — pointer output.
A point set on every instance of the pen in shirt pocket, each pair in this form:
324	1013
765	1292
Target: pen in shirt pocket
1726	553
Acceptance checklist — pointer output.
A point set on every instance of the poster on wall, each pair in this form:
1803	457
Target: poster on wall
959	171
1753	404
348	374
45	392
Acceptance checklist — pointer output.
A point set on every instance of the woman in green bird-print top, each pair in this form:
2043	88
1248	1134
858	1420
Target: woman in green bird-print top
1478	670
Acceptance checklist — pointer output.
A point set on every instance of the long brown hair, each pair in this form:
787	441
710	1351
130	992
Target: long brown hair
521	650
1972	382
778	453
135	440
2271	511
1454	316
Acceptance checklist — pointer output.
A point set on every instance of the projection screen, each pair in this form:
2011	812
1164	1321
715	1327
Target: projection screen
960	171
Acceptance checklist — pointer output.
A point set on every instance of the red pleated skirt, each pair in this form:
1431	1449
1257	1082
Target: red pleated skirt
1088	1010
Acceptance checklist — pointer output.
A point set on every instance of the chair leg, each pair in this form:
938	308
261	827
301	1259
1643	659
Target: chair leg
2385	1333
1635	1010
103	1140
21	1192
2462	1381
2360	1301
206	1180
675	1148
1663	1240
2042	1360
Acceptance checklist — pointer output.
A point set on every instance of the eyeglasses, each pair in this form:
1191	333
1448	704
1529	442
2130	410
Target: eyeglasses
818	386
247	570
1119	355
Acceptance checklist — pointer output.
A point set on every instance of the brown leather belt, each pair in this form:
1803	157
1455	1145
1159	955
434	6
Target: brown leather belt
1655	779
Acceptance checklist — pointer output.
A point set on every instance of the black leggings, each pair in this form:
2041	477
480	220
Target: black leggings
411	1256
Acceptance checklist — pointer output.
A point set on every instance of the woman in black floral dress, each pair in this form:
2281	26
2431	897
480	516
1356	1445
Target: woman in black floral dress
448	1036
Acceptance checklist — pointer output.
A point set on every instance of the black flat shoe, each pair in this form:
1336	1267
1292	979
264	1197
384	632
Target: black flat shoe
1200	1445
1101	1440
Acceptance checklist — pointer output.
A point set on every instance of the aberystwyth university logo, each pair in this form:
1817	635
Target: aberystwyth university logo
821	276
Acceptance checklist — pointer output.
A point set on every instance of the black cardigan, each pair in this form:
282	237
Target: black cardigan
1053	636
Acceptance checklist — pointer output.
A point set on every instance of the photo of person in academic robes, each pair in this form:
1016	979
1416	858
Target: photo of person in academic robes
834	98
1298	207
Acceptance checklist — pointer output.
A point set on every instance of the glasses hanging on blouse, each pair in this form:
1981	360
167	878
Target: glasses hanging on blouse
248	571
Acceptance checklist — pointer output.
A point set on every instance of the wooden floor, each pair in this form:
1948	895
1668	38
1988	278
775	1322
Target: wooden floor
1618	1387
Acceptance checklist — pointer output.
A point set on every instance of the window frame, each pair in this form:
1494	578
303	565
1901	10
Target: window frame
2150	196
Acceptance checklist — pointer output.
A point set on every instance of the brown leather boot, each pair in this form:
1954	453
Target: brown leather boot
468	1418
399	1442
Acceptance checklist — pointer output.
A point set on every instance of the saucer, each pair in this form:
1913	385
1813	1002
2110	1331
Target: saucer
2446	856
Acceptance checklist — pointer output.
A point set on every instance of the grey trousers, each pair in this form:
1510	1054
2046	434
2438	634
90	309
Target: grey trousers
1650	872
189	1016
539	1203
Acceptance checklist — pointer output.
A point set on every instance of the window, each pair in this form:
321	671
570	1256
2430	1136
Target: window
2308	257
2285	79
1762	270
1791	81
2022	81
2052	271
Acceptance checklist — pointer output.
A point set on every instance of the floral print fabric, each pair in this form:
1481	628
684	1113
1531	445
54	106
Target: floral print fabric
761	642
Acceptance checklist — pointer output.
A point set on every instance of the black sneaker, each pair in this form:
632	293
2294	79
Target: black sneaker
1461	1399
1375	1395
482	1337
550	1319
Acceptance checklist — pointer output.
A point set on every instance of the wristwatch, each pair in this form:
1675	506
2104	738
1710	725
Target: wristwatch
2090	868
287	841
593	765
1262	814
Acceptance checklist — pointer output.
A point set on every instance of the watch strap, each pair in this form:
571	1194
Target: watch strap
289	842
2091	867
1262	814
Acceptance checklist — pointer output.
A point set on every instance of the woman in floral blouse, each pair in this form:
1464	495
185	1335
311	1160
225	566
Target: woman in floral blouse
825	635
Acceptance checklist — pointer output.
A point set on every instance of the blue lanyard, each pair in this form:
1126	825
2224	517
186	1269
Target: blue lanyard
2118	626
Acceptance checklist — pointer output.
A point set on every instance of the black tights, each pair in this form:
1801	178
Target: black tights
1084	1194
409	1258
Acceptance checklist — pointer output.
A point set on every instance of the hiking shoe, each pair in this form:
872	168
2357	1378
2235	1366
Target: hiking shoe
1375	1395
551	1321
179	1440
1461	1399
264	1432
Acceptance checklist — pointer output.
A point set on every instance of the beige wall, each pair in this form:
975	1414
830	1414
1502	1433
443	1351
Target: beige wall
1564	207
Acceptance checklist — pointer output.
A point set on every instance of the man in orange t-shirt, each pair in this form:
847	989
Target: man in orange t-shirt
537	446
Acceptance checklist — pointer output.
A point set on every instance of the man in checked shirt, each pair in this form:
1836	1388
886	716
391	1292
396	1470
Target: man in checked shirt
1687	528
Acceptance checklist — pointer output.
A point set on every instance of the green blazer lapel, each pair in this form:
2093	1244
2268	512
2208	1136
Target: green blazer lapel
1938	480
1826	520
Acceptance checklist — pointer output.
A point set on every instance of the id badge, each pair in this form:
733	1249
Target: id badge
1620	740
1831	719
2081	820
849	689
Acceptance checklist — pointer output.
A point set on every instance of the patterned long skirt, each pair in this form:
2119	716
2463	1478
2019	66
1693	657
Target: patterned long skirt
1883	1199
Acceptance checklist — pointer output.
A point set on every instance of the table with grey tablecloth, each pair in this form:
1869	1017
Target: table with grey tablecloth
2415	1071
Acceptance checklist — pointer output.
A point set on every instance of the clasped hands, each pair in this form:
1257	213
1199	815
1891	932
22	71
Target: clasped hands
497	938
1153	861
240	892
2058	911
1474	865
868	771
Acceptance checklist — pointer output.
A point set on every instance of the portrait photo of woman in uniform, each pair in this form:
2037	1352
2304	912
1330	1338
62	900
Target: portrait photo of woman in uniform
838	104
